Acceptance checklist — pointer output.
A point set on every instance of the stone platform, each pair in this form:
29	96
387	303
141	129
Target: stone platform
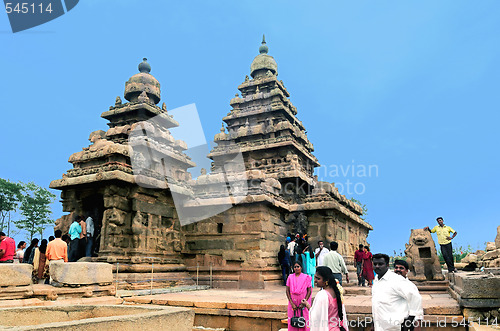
266	309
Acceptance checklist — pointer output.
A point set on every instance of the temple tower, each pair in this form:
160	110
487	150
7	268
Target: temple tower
131	204
262	124
282	194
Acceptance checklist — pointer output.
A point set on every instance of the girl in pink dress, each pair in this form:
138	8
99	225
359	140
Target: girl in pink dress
327	312
298	287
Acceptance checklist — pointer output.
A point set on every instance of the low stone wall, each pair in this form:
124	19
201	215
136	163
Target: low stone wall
97	317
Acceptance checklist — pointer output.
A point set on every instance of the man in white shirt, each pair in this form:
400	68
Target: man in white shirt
335	262
89	222
401	267
291	250
395	300
320	253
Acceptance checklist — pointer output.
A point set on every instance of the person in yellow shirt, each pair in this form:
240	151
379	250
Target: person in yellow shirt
444	239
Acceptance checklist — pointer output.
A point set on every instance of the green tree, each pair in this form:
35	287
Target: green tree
363	206
10	196
35	209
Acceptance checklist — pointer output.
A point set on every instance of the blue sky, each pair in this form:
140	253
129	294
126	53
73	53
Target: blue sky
407	87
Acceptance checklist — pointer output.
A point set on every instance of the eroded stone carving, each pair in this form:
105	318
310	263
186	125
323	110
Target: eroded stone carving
422	257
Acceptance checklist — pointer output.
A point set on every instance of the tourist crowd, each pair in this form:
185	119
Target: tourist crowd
70	247
396	302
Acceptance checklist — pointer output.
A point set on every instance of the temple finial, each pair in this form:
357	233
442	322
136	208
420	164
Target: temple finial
263	48
144	66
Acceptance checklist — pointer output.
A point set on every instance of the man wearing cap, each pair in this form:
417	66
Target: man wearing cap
444	239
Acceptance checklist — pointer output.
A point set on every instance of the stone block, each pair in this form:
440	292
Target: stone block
248	244
497	238
116	202
234	256
155	209
18	274
477	286
211	321
97	317
249	324
204	244
212	305
490	246
16	292
251	280
491	255
479	303
469	258
81	273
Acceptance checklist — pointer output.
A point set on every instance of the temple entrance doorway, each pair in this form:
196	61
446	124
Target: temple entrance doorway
93	206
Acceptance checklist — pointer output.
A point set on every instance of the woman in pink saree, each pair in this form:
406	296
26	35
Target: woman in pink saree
298	287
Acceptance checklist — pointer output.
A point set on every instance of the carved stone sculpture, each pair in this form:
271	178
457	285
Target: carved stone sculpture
422	257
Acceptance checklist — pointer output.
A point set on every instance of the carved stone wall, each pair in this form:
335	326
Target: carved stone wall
243	236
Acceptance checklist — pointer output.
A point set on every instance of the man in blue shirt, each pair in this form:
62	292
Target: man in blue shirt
74	233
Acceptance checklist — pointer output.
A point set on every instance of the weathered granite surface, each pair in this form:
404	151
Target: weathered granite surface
15	274
97	317
422	257
476	289
81	273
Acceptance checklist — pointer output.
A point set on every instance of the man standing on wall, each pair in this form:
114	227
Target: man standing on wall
444	239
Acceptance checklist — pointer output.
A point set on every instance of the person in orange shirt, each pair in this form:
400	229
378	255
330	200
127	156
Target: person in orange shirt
82	242
57	250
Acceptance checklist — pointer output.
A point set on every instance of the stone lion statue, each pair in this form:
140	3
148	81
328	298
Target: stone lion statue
422	257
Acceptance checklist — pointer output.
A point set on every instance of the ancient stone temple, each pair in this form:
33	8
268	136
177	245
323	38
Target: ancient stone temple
261	185
134	224
283	194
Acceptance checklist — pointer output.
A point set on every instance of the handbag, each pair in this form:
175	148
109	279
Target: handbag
298	321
